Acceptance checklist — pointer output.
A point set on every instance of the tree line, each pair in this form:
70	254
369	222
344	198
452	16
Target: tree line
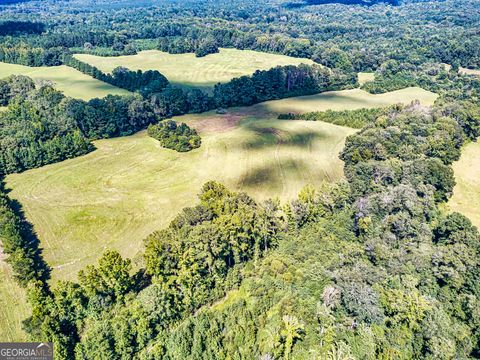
148	82
356	119
280	82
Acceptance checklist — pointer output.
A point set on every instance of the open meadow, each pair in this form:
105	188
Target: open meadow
466	194
347	100
13	305
466	71
130	186
364	77
188	70
72	82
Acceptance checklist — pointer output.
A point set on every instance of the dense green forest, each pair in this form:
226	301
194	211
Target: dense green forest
372	267
332	35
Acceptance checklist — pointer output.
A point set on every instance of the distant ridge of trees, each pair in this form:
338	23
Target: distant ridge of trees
9	2
19	27
353	2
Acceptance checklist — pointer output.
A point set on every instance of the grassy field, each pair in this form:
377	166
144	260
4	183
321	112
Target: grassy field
129	187
72	82
364	77
466	195
347	100
469	71
188	70
13	306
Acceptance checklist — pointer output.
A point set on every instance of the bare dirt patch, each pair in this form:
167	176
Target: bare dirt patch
217	123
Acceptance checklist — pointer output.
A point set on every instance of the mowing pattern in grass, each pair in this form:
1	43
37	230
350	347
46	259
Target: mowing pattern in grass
13	306
466	194
129	187
188	70
72	82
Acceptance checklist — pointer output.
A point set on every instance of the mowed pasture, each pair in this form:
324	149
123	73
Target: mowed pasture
347	100
466	194
115	196
71	82
13	305
188	70
130	186
466	71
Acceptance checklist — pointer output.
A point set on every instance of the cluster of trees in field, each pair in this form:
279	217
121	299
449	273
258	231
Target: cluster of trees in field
356	119
173	136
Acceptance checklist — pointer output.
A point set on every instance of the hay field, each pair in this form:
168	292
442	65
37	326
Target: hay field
188	70
72	82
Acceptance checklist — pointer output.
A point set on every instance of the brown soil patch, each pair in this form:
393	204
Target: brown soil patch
217	123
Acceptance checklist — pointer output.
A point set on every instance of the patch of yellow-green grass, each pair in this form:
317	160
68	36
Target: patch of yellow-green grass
188	70
466	194
130	186
348	100
72	82
13	306
469	71
364	77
